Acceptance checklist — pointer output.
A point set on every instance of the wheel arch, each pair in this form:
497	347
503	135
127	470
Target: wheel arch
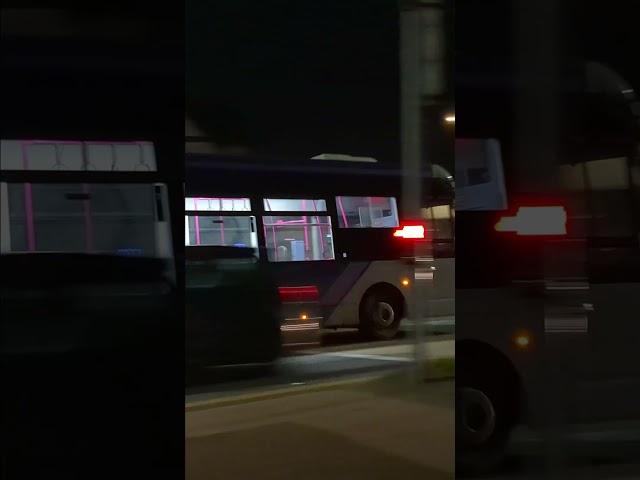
476	357
383	288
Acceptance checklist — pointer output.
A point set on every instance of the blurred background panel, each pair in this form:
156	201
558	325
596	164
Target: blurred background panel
77	385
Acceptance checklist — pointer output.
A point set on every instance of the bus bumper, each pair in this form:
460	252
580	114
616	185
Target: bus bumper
300	325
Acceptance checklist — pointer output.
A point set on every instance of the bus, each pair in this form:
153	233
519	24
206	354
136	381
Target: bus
548	281
325	227
90	197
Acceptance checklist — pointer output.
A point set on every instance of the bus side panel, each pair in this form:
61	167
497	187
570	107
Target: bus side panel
339	283
321	274
343	285
347	312
442	301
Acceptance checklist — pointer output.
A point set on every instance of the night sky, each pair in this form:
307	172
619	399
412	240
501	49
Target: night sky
487	61
296	77
291	78
95	75
605	32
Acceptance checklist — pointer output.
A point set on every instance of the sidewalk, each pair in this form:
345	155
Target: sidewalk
363	431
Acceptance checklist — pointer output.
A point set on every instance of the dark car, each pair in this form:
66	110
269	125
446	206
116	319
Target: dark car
88	355
233	310
56	304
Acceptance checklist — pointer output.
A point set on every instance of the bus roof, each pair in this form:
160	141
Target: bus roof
207	174
203	161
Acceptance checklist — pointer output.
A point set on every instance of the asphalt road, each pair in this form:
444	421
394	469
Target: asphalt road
593	453
340	433
327	362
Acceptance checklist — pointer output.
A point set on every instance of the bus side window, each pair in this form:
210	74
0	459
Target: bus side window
228	231
480	181
367	212
216	221
301	231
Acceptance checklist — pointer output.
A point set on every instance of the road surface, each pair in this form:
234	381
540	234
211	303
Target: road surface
592	453
352	433
314	365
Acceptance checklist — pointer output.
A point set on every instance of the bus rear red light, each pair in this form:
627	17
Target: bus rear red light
299	294
547	220
410	232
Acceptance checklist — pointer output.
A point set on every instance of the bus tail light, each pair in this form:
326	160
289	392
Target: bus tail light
411	231
307	293
531	221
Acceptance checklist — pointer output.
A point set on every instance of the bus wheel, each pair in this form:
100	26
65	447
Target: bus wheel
482	424
380	314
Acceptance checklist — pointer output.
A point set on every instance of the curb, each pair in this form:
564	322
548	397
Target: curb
275	393
445	337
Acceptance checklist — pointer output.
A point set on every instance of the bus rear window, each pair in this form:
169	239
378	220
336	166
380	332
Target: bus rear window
367	212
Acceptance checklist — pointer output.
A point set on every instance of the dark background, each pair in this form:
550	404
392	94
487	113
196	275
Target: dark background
296	78
71	73
79	73
487	48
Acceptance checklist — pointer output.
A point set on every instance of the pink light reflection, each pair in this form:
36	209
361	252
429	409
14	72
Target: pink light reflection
344	215
306	228
197	220
28	204
88	227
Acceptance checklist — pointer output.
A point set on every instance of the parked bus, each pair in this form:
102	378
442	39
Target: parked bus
325	227
548	281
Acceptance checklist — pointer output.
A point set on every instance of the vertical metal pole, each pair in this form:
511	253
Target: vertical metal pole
410	137
539	58
421	82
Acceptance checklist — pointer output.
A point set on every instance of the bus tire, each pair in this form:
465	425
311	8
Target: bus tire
483	420
380	313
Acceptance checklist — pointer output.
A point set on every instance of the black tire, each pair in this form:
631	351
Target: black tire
380	314
483	420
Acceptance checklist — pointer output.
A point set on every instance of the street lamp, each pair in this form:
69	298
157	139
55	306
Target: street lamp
450	118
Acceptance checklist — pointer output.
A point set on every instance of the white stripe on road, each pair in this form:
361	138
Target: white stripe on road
371	357
434	349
